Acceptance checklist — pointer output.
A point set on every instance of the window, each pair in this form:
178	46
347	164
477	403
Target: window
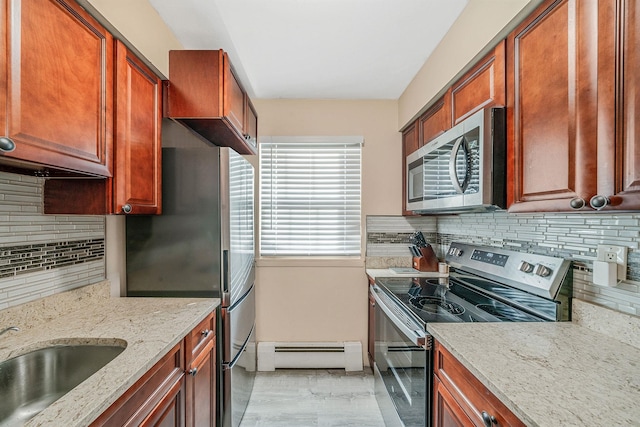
310	196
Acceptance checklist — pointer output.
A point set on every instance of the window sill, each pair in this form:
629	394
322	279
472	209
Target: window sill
310	262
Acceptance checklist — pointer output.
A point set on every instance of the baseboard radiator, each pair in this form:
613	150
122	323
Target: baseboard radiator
310	355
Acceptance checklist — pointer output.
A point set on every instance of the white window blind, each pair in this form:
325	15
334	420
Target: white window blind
310	196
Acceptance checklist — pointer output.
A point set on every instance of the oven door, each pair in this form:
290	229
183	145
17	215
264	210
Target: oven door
402	366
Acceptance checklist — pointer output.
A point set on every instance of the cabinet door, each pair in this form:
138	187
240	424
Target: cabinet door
435	120
447	412
483	86
168	412
619	163
410	143
201	386
138	111
251	125
234	104
57	67
372	328
201	381
552	97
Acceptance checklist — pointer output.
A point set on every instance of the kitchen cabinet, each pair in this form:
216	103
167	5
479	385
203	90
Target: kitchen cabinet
156	399
170	395
436	120
205	95
371	325
201	379
135	187
56	88
482	86
560	76
410	143
460	399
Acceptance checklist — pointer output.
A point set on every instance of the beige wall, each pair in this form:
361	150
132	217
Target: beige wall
141	25
326	300
475	28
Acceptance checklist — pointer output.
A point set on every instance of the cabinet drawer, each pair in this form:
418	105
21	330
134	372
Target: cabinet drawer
200	336
472	396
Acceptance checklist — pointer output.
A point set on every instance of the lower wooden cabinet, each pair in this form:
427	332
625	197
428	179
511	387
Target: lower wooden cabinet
201	375
372	327
179	391
156	399
460	399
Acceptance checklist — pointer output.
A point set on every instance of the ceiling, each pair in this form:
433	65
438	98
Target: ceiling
316	49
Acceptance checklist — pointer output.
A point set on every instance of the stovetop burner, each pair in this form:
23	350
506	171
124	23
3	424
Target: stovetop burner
435	305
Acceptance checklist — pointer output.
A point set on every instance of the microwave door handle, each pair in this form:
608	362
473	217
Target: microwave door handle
453	173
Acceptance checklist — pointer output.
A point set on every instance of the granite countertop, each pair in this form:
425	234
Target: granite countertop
149	326
550	374
388	272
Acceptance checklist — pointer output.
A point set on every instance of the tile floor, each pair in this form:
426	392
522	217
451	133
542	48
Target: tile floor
313	397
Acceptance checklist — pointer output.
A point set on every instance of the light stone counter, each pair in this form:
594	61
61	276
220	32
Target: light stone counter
551	374
386	272
149	326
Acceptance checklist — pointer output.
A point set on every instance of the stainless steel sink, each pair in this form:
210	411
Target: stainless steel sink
32	381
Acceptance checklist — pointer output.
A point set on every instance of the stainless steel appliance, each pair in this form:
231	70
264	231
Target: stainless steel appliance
486	284
203	246
463	169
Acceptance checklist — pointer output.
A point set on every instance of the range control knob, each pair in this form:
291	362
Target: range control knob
541	270
455	251
525	266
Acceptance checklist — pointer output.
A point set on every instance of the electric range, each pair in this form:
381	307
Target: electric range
485	284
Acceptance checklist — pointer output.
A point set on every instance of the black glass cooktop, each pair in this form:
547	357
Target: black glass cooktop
449	300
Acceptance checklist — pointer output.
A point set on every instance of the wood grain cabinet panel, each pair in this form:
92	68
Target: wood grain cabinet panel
156	399
56	73
482	86
436	120
410	143
205	95
201	374
136	185
460	399
554	94
138	111
625	191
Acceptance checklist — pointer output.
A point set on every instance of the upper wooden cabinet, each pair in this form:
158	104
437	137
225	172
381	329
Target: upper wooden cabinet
410	143
482	86
138	111
136	184
435	121
56	86
205	95
567	118
619	162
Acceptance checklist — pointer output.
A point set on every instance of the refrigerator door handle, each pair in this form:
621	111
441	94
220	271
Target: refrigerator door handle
225	271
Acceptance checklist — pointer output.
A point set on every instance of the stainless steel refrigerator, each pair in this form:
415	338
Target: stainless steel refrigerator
203	246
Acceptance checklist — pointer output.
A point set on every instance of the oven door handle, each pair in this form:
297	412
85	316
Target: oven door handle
416	336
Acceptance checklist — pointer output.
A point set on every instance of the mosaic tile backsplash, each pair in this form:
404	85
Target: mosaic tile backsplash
44	254
572	236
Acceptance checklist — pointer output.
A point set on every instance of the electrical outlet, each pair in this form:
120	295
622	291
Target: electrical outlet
617	254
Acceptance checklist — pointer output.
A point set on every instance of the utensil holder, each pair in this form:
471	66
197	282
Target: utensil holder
427	262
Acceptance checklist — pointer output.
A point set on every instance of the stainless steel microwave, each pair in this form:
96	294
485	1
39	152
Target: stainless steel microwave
464	169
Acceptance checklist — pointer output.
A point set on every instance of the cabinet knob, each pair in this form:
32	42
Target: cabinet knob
127	208
7	145
205	333
193	372
598	202
488	420
577	203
